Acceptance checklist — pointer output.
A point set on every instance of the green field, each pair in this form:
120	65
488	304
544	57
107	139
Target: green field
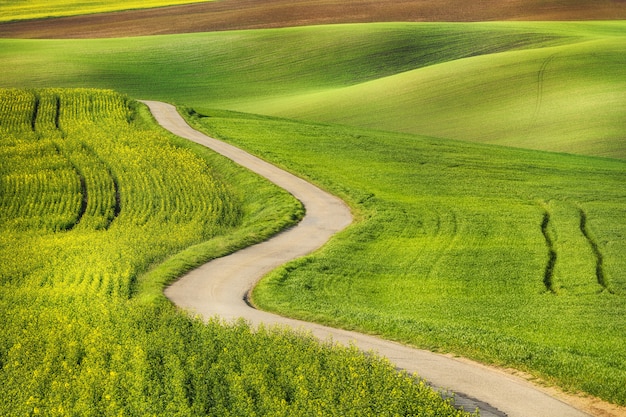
99	209
453	247
37	9
509	256
550	86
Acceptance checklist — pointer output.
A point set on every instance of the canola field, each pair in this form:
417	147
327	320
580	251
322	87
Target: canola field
100	209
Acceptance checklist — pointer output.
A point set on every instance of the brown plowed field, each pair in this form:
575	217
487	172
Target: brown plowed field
249	14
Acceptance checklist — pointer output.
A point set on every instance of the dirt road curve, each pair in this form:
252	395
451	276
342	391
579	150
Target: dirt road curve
219	288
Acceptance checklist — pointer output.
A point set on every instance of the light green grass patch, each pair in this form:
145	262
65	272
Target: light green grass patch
37	9
566	98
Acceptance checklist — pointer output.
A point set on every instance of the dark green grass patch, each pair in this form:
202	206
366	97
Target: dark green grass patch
450	253
246	66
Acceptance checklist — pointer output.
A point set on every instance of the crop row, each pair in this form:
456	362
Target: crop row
72	160
48	110
73	126
40	187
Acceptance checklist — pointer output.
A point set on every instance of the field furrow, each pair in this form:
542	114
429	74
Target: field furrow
579	268
46	117
33	120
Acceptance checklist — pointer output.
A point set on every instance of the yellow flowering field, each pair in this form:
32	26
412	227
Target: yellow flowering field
99	208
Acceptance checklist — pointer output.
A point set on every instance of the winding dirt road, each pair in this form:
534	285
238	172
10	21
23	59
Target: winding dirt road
220	287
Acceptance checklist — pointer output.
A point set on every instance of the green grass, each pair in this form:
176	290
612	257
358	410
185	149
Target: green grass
551	86
37	9
100	209
448	252
514	257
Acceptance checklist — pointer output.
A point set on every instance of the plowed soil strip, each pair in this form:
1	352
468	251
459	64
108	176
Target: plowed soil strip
219	288
256	14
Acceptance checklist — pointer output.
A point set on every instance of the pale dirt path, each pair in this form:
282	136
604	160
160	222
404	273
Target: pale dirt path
220	286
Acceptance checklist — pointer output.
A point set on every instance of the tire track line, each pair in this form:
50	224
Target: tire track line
600	276
541	74
548	275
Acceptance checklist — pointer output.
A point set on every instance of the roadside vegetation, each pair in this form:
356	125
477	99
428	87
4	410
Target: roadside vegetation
511	257
99	209
548	85
37	9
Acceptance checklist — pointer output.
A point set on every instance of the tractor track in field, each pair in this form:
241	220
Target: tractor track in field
541	74
220	288
552	256
584	229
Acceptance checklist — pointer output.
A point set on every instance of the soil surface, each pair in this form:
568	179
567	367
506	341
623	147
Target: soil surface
252	14
220	288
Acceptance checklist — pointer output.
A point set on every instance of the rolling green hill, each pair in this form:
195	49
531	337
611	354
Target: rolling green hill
552	86
568	98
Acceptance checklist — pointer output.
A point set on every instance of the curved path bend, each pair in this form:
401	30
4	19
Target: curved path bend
220	288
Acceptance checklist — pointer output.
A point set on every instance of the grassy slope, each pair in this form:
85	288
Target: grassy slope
449	252
569	98
36	9
249	65
548	98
